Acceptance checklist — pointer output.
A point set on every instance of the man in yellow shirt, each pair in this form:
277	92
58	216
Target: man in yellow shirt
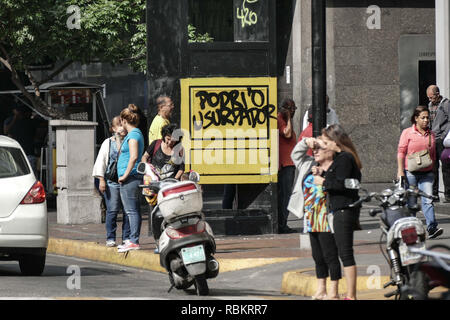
165	107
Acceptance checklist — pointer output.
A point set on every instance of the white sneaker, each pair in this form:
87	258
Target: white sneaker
128	247
110	243
123	244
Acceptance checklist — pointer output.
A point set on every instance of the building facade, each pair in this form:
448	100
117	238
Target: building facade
381	56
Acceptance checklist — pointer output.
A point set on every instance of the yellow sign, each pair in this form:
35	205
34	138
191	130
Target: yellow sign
230	129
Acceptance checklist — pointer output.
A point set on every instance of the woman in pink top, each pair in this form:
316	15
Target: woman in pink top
414	139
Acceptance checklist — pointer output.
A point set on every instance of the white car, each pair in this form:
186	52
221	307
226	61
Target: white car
23	210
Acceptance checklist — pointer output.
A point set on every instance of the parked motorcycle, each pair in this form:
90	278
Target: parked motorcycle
404	232
185	240
437	271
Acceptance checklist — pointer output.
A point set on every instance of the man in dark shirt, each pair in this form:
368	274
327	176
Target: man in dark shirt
286	171
440	125
22	128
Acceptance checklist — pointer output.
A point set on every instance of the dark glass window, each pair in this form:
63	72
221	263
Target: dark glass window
12	163
427	77
231	20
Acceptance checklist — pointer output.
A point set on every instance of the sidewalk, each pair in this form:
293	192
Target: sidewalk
233	252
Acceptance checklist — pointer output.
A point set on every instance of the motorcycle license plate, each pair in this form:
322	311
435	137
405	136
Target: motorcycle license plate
193	254
407	257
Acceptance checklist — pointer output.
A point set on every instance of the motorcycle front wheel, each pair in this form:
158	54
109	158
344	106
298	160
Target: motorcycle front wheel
201	285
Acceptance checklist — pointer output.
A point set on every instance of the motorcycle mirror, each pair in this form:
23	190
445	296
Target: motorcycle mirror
352	184
141	168
387	193
194	176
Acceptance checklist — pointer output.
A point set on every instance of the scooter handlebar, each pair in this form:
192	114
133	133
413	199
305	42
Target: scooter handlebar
361	200
374	212
155	186
356	204
419	193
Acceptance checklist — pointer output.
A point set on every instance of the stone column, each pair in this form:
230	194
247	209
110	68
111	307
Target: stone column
77	201
443	46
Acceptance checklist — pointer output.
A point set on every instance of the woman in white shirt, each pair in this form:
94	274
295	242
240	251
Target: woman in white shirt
108	153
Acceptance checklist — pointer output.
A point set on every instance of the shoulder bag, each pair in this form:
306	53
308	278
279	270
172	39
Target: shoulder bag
111	171
421	159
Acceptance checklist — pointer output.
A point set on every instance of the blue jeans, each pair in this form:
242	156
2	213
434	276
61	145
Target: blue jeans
286	177
129	193
423	181
113	205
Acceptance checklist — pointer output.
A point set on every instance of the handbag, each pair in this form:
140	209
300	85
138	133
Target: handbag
421	159
111	171
445	155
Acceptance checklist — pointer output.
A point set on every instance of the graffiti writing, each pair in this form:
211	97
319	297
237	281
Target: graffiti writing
232	107
247	16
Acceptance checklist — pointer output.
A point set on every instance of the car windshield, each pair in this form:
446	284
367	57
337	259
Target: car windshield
12	163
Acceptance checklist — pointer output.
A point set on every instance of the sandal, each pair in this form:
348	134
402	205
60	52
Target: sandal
321	297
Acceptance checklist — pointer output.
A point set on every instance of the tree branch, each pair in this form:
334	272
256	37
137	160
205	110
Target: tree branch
33	82
138	57
5	63
36	101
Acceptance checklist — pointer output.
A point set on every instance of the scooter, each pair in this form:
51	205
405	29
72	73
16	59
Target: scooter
404	232
185	240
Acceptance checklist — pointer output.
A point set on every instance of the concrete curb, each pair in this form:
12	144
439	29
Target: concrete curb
141	259
298	282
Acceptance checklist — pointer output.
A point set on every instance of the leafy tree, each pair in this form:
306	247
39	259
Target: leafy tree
35	32
60	32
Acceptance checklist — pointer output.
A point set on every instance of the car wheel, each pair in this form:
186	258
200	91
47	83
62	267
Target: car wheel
32	265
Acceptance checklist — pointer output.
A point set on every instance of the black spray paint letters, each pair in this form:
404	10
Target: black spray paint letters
225	108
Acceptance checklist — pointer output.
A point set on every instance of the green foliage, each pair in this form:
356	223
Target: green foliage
34	31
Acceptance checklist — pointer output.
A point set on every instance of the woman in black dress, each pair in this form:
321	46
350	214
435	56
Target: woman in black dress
346	164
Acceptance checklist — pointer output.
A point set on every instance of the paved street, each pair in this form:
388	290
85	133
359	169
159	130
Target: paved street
110	281
107	281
